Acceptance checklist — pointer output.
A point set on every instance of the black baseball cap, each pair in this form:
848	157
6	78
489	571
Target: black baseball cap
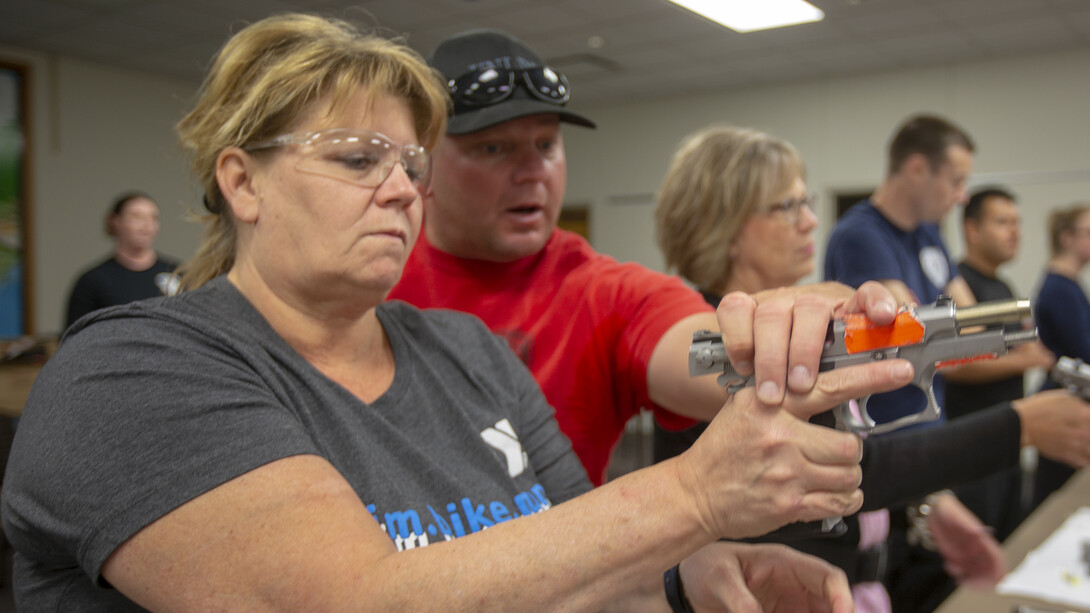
480	50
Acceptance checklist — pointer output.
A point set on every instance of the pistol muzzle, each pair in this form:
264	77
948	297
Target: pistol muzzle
995	313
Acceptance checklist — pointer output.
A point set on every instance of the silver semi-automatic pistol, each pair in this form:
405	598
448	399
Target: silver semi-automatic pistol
931	337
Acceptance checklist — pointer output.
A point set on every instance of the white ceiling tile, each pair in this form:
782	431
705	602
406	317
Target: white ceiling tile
185	58
109	37
647	41
182	19
1079	21
931	46
903	16
396	14
651	28
645	58
968	11
243	10
544	18
33	10
845	52
804	35
607	11
767	65
26	20
1020	34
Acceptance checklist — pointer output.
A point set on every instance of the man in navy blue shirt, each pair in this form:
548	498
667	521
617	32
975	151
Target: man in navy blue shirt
893	237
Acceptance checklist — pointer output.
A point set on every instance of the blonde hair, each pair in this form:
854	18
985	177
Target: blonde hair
717	180
1063	221
271	74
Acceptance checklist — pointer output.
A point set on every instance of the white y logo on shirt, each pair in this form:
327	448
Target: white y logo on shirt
504	439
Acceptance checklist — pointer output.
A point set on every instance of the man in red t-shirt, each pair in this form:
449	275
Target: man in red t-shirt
602	338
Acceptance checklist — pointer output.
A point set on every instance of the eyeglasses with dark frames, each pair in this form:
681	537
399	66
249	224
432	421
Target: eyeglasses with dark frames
790	210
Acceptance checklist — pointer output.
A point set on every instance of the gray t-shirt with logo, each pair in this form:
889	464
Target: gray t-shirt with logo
149	405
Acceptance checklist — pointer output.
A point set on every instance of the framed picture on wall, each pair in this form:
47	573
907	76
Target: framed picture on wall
575	218
16	310
848	198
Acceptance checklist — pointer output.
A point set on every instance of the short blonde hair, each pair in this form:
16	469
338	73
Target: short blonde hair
1062	221
266	78
717	180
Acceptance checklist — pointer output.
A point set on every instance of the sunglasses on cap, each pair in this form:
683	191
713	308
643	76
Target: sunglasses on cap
491	85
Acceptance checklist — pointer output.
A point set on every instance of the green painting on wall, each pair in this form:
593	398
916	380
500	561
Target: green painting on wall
12	158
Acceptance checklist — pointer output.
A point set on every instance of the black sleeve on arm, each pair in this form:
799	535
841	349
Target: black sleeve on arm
81	301
904	466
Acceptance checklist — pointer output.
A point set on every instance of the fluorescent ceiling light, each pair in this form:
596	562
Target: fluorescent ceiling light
750	15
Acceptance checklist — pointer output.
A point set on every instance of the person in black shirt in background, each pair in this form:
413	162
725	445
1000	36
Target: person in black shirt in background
992	228
134	271
991	225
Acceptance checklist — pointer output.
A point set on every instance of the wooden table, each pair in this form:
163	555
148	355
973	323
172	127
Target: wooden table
1045	520
15	382
18	374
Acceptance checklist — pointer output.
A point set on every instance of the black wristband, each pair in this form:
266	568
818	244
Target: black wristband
675	592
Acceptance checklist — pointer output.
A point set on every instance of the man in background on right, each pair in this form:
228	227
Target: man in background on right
991	224
893	236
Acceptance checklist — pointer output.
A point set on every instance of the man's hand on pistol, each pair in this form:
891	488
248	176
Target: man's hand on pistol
779	334
761	465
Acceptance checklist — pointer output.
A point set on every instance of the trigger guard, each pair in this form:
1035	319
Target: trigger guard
930	413
850	421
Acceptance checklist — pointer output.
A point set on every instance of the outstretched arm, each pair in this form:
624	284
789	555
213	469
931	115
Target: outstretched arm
925	460
790	322
292	534
1056	422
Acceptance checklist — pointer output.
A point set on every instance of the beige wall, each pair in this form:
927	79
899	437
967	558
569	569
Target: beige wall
98	131
1028	116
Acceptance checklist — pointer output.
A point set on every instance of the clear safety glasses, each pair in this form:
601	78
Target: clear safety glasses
362	157
492	85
